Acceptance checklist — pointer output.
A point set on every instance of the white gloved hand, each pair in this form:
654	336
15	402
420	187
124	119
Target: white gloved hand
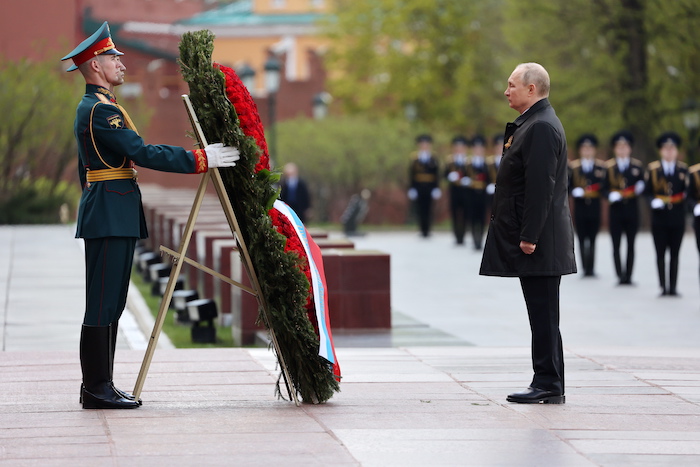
614	196
656	203
412	194
696	210
578	192
219	155
436	193
453	176
490	188
465	181
639	187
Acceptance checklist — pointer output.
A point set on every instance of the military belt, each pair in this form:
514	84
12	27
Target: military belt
110	174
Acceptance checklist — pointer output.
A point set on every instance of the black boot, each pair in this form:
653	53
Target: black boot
95	361
113	343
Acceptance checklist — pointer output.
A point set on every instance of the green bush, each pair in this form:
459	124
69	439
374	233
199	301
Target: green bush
39	202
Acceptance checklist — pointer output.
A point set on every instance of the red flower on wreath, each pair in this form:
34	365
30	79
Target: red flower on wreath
247	112
251	125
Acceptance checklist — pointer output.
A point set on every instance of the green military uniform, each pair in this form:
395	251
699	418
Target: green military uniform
110	216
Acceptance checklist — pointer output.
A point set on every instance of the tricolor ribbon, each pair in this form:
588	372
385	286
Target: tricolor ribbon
318	285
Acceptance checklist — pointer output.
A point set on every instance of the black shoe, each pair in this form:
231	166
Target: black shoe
536	396
95	362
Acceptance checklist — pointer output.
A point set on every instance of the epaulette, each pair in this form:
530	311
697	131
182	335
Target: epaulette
575	164
414	155
654	165
103	99
682	164
634	161
610	163
599	163
694	168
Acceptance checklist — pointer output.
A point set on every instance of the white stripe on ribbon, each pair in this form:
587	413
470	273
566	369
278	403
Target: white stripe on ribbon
317	284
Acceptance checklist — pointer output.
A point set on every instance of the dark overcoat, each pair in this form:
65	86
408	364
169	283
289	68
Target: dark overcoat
531	202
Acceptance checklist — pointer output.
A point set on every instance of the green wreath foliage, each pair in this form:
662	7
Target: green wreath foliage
283	285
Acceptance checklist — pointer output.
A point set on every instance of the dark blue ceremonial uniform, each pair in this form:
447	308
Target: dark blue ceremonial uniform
110	216
587	209
668	222
423	177
624	214
459	199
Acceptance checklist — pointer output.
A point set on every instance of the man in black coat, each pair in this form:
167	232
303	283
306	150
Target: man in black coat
666	184
294	191
586	176
531	235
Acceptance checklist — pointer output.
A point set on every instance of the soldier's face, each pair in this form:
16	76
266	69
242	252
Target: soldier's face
587	151
669	152
112	68
622	149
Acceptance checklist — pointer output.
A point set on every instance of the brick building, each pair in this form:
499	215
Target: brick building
148	32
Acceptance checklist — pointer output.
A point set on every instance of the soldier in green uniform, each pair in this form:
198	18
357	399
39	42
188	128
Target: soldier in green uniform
456	175
586	176
666	186
110	215
423	182
624	182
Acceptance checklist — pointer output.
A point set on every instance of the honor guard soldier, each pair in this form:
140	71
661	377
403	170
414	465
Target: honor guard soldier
423	182
110	215
456	175
666	186
586	176
478	175
624	182
694	199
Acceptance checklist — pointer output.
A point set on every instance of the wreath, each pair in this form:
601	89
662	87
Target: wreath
228	114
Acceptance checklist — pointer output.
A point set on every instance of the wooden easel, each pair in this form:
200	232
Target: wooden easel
179	258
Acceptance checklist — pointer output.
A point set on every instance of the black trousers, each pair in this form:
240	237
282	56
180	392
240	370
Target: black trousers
667	238
424	211
587	231
477	211
624	218
542	299
459	209
107	271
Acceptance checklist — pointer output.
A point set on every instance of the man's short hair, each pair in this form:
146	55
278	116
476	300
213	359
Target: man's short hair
534	73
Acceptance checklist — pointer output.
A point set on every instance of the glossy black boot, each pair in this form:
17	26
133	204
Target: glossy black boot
95	361
115	329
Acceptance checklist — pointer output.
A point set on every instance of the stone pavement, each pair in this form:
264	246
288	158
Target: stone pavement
633	375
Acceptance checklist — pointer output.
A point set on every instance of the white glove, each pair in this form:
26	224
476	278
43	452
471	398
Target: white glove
412	194
453	176
696	210
656	203
639	187
490	188
465	181
219	155
436	193
614	196
578	192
